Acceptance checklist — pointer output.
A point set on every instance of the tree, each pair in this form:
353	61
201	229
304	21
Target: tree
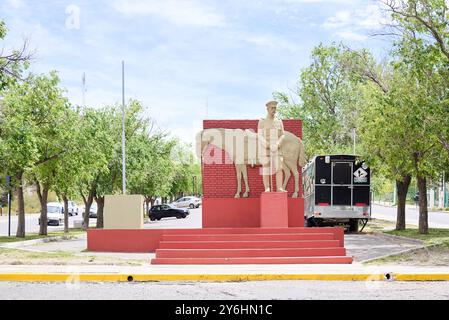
69	166
385	140
423	54
150	166
326	102
49	110
98	145
185	167
12	63
19	145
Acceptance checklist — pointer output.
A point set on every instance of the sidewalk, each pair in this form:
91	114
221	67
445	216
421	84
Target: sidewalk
407	206
221	273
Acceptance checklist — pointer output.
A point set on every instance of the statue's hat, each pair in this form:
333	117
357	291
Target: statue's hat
275	103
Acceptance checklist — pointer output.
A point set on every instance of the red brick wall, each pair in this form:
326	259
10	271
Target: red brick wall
219	180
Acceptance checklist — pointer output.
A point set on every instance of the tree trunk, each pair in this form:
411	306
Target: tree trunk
401	190
87	203
423	214
21	207
66	213
43	196
100	210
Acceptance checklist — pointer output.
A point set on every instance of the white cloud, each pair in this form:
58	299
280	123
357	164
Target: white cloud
16	3
348	35
272	42
355	24
183	13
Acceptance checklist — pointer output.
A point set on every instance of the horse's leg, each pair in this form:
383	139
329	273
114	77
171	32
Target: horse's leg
287	175
238	169
245	178
294	168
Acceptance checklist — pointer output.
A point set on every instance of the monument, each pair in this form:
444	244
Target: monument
259	222
271	135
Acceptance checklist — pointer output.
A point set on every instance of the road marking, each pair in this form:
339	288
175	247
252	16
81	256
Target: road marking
101	277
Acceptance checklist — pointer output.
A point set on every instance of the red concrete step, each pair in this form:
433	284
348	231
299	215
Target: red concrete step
256	260
236	253
247	244
254	230
248	237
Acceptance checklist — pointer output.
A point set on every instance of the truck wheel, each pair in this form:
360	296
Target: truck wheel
354	225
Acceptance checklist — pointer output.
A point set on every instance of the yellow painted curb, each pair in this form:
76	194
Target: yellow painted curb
110	277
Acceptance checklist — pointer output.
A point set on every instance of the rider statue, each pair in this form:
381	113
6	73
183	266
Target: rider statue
270	136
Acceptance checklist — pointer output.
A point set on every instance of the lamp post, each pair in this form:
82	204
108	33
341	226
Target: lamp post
123	131
8	185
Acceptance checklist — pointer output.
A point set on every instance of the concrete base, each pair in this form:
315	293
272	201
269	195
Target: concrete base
123	212
273	210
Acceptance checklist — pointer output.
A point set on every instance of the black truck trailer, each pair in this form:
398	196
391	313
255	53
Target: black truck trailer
337	191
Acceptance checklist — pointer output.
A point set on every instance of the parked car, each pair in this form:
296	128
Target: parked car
187	202
73	208
166	211
93	211
55	214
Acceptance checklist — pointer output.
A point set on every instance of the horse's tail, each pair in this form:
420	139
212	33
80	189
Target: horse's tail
199	144
302	160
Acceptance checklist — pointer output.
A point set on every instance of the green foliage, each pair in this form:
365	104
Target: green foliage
3	29
12	64
327	102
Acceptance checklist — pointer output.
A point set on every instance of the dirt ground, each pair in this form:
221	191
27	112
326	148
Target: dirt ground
19	257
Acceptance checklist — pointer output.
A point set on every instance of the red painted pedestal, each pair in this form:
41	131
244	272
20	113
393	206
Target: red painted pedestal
273	210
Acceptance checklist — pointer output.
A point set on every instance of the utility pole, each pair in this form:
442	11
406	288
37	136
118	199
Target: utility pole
123	131
84	90
8	185
444	190
353	137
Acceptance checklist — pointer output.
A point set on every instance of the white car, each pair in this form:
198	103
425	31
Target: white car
73	208
55	214
187	202
93	211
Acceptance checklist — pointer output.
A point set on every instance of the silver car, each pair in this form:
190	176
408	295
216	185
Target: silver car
187	202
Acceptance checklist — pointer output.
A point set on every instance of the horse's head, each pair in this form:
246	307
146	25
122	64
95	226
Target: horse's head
200	144
207	137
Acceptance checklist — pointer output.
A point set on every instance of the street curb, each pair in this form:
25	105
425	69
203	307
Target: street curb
393	236
16	244
108	277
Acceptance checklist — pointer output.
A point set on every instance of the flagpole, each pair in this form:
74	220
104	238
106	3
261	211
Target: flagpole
123	131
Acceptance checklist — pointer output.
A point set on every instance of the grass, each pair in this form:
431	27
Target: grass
435	237
33	236
436	252
24	257
378	225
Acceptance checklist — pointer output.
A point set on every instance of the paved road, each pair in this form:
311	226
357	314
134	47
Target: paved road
192	221
436	219
227	291
361	246
31	224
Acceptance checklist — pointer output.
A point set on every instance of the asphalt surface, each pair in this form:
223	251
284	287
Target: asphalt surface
304	290
361	246
32	225
436	219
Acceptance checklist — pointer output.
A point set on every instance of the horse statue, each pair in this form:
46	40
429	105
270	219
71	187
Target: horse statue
242	148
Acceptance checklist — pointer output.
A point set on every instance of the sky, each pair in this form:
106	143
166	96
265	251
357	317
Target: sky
186	60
